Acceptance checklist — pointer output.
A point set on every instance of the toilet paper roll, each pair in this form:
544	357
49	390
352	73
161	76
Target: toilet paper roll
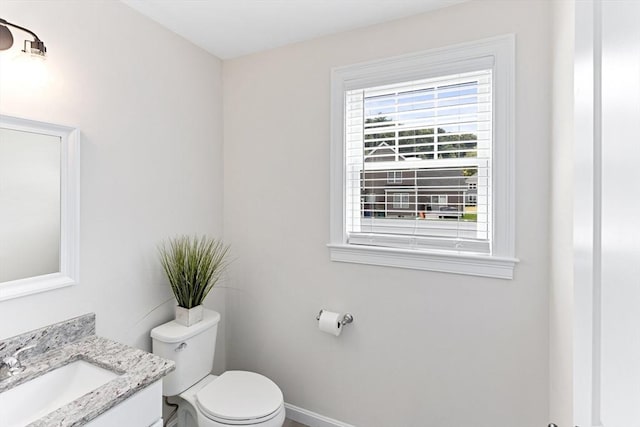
330	322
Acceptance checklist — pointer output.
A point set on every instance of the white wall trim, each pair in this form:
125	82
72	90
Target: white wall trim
587	214
457	263
310	418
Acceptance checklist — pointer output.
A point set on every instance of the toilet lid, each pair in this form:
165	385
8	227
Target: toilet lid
240	396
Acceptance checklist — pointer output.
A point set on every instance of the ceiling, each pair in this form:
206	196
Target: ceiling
232	28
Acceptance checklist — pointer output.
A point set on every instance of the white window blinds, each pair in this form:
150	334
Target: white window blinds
418	164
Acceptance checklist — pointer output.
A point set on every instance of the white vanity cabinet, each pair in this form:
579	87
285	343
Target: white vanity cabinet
143	409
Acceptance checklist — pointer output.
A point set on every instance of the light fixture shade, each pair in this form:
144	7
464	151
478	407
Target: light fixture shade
6	38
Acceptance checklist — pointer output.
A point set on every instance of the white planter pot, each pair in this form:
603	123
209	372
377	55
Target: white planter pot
189	316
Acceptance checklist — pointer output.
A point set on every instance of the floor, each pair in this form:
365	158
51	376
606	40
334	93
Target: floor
291	423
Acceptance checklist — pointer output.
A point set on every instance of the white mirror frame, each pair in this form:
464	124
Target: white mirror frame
69	210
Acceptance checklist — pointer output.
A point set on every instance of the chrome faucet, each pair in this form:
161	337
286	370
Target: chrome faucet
11	365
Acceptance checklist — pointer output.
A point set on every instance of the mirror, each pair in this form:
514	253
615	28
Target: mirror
29	204
39	209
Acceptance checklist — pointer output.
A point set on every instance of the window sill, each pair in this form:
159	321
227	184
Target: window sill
457	263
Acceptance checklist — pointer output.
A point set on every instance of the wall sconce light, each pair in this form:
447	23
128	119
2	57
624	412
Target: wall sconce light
35	46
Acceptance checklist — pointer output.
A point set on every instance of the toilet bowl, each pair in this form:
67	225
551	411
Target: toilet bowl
235	398
212	402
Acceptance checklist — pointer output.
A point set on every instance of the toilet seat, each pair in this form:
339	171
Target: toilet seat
240	398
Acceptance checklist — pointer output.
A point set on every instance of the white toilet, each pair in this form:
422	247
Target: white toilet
235	398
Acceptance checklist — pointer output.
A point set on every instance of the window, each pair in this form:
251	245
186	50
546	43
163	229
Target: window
400	201
440	124
394	177
435	132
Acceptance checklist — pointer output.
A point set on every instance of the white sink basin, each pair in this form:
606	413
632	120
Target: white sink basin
34	399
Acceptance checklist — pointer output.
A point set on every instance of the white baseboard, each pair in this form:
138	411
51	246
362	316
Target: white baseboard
299	415
312	419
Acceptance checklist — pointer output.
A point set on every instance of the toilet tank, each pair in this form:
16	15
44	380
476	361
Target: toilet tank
192	348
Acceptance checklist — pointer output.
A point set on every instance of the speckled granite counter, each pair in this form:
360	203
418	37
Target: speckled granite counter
66	342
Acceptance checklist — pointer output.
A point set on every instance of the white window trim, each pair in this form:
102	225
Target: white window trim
497	53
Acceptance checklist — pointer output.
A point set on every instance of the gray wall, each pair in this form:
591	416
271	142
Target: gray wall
425	349
151	121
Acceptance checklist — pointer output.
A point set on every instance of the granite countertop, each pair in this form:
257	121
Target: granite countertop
136	368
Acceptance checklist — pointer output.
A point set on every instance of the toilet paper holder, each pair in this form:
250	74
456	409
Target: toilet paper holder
347	318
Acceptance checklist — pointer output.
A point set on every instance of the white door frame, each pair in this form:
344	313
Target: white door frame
587	214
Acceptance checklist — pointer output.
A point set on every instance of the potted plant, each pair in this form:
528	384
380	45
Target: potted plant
193	266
